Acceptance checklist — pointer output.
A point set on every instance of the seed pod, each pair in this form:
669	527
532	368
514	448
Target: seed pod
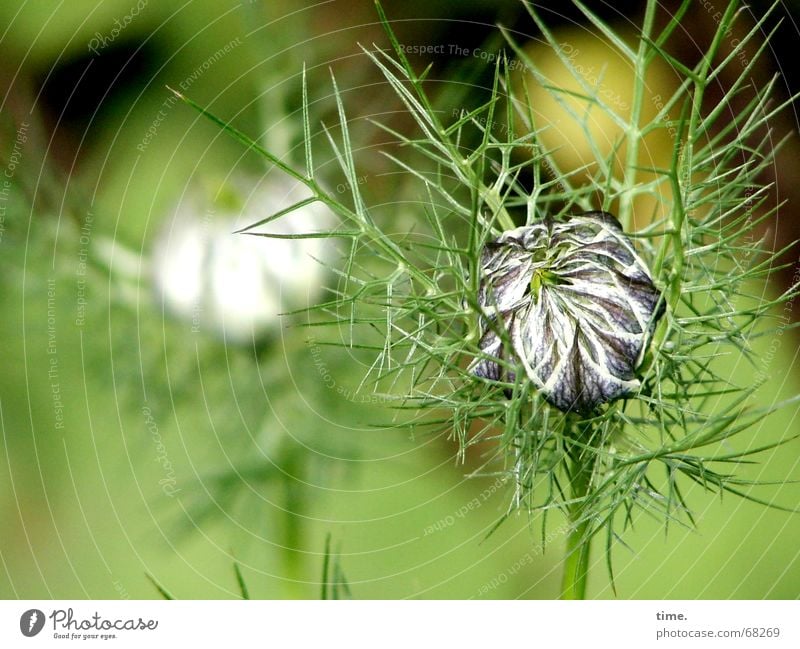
576	304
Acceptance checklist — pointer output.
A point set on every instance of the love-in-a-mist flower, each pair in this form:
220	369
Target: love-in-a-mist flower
236	285
576	306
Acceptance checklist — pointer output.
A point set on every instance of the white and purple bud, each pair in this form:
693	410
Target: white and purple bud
578	306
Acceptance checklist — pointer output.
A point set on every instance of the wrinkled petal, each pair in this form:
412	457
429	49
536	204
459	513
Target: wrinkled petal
578	306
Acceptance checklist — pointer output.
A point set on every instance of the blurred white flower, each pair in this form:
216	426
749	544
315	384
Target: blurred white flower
237	285
578	305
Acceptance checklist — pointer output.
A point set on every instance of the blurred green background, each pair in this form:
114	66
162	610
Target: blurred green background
141	438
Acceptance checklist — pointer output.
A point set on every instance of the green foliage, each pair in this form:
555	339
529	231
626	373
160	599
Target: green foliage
163	592
408	301
334	583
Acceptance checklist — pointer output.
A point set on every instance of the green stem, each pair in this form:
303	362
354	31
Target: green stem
576	561
634	134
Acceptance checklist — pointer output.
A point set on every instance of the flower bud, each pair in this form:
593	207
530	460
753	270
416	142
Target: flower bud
570	302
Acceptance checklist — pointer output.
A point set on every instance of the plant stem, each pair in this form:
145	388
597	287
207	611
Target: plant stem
576	560
634	134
